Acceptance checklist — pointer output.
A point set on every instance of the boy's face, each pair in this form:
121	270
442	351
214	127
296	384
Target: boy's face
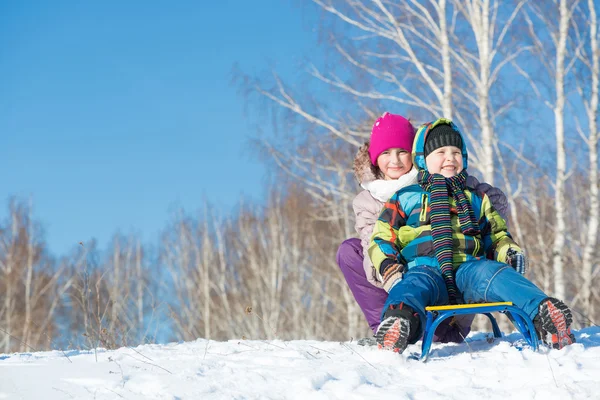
447	161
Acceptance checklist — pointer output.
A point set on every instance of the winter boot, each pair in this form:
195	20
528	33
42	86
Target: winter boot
399	327
553	323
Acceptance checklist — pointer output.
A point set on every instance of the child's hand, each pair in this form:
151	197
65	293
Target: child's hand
392	275
517	260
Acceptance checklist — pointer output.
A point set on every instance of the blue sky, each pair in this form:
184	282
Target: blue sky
115	113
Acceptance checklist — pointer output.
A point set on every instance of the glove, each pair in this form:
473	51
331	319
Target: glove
392	276
517	260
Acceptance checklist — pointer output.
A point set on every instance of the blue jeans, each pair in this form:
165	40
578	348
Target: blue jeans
478	281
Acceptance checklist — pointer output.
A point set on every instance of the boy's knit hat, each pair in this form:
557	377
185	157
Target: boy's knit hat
440	136
427	132
390	131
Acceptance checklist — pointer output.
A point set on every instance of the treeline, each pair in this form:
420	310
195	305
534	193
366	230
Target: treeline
267	272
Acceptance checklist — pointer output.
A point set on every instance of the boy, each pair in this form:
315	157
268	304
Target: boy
430	243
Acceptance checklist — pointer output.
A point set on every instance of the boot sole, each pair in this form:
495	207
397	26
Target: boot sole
393	334
556	319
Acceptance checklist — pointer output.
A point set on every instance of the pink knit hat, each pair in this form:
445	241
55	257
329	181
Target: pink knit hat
390	131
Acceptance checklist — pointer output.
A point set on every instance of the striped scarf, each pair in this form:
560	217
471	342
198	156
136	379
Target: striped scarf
440	188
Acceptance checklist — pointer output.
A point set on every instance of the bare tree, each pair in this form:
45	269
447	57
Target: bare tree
560	39
588	89
182	250
589	253
202	277
561	161
563	62
30	292
482	67
110	301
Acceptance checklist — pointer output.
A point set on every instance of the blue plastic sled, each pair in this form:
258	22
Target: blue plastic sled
436	314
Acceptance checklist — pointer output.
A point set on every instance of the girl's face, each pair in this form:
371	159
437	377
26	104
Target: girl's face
394	163
447	161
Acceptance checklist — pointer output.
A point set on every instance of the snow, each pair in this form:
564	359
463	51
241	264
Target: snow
243	369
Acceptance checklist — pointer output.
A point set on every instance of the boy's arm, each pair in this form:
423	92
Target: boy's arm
384	249
498	243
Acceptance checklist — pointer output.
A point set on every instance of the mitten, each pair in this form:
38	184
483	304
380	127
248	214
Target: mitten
517	260
392	275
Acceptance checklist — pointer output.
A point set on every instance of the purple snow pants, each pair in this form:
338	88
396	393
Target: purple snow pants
371	299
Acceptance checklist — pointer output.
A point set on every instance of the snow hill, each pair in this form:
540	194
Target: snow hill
241	369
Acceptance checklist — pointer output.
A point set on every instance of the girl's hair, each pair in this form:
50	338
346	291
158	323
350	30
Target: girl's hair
375	168
364	171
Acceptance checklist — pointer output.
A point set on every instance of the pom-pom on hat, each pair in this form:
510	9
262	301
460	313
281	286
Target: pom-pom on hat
390	131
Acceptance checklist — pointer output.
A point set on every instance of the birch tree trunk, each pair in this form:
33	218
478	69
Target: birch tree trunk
477	13
446	61
116	293
561	159
139	285
487	135
482	71
589	251
28	282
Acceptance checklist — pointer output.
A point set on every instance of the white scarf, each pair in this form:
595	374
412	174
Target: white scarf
382	190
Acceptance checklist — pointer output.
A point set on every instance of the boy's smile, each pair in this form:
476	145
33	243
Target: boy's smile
446	160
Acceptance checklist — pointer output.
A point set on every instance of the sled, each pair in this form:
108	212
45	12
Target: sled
436	314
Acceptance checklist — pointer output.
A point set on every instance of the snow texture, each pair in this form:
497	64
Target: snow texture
482	368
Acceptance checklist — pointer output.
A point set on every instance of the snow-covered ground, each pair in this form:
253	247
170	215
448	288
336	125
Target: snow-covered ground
304	369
